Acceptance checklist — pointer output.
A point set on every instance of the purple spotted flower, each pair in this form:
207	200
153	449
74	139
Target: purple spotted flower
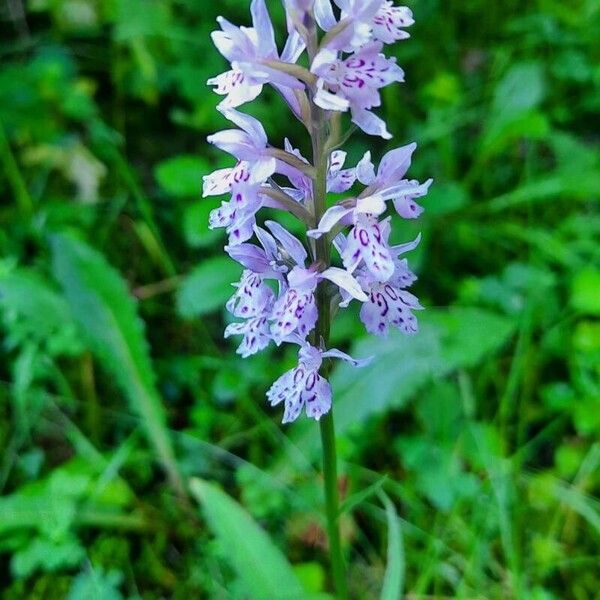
354	83
389	22
292	285
303	387
387	184
283	258
254	59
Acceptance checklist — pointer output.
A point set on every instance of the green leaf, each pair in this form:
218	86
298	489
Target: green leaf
47	555
521	89
393	581
107	315
585	292
41	312
181	176
261	567
96	584
195	225
207	287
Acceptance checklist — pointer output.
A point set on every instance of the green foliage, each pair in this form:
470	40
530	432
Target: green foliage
207	287
481	430
107	316
262	568
393	582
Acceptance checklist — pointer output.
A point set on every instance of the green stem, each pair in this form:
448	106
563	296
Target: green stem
321	152
332	503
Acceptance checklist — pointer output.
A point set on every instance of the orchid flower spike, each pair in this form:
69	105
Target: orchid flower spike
341	252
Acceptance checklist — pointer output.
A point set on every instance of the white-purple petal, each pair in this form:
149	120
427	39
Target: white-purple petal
370	123
250	256
252	296
252	126
335	353
395	164
264	28
365	170
368	242
290	243
256	335
330	219
374	205
324	14
344	281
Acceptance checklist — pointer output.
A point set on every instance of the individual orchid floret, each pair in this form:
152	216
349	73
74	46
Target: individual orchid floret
390	184
387	184
389	22
251	297
253	300
389	303
253	55
362	21
295	311
256	334
303	387
368	244
387	306
238	216
354	83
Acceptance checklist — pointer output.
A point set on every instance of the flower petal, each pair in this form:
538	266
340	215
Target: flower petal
365	170
250	256
264	28
407	247
394	164
324	14
374	205
345	281
335	353
370	123
290	243
253	127
330	219
256	335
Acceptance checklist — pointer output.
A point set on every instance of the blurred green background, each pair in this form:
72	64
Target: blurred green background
116	386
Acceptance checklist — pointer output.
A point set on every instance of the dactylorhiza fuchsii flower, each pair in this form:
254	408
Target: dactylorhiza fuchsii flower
288	283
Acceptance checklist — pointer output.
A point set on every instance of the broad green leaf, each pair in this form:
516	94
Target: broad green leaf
447	340
96	584
181	176
107	315
207	287
585	291
261	567
521	89
195	224
393	581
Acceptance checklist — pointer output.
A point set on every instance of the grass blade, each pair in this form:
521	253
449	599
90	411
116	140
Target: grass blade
393	581
261	567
